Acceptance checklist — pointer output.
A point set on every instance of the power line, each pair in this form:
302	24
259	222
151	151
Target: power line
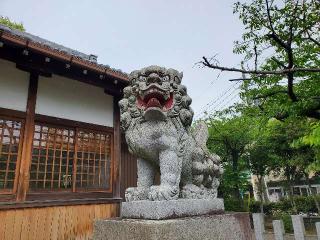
220	99
208	88
224	99
221	105
227	103
209	104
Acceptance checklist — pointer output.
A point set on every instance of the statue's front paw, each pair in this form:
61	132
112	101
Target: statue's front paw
163	192
136	194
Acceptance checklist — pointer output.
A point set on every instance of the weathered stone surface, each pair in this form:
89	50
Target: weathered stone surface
156	117
234	226
318	229
171	209
258	223
298	227
287	236
278	229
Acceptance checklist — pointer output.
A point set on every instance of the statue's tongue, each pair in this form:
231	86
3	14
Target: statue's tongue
154	102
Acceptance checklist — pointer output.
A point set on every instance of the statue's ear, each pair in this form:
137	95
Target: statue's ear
181	75
178	77
133	75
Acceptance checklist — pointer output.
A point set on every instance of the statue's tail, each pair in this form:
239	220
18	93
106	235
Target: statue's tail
206	167
200	134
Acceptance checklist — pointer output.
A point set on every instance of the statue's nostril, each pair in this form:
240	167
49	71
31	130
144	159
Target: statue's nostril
153	78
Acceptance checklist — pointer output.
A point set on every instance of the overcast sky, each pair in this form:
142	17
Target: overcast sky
132	34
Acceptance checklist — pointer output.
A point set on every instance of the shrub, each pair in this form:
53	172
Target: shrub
304	204
287	222
233	205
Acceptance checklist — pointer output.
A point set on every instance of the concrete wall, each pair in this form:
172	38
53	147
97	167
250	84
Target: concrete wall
14	85
66	98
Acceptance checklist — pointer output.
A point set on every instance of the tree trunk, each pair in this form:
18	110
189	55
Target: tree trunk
235	163
290	192
313	196
260	192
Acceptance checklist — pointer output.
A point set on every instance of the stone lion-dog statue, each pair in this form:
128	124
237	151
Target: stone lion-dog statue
156	117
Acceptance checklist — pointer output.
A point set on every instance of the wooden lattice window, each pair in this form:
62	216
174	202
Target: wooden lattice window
52	158
93	160
10	141
56	167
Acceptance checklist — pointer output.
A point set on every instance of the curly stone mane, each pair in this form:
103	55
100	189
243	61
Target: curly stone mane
171	81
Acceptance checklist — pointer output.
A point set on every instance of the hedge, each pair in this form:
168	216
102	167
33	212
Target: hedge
304	204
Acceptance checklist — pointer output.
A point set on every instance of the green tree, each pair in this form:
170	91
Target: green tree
11	24
310	162
293	162
281	47
228	137
312	139
261	163
247	142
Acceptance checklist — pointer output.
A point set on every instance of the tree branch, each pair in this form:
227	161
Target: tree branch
293	20
270	94
240	79
312	39
278	62
274	35
206	63
255	58
291	94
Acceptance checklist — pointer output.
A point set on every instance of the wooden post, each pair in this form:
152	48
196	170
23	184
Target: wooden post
23	182
116	148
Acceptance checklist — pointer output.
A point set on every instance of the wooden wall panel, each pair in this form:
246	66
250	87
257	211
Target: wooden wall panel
128	168
56	223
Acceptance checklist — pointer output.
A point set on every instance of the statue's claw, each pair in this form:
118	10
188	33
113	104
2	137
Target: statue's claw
136	194
163	192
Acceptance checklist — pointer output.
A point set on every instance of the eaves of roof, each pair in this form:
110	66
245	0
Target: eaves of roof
57	51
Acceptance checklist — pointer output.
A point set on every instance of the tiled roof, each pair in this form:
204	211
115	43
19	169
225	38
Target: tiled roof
57	49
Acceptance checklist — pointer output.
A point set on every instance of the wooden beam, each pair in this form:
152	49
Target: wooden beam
12	113
113	92
116	149
23	182
71	123
30	68
36	62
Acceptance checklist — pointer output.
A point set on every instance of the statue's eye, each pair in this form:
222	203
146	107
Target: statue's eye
165	78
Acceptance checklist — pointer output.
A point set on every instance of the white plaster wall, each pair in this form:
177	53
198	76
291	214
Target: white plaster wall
70	99
14	85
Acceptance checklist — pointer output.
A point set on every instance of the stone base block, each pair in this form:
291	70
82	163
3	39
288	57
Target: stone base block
231	226
171	209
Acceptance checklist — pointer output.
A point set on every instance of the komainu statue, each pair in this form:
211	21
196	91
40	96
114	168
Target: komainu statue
156	117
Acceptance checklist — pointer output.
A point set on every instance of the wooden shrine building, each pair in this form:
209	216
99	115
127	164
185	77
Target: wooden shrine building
61	150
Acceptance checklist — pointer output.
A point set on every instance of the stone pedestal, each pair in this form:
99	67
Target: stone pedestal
229	226
157	210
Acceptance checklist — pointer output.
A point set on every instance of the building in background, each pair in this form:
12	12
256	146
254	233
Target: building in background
275	190
60	143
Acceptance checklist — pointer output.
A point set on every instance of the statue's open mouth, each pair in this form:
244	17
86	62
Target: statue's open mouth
155	97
